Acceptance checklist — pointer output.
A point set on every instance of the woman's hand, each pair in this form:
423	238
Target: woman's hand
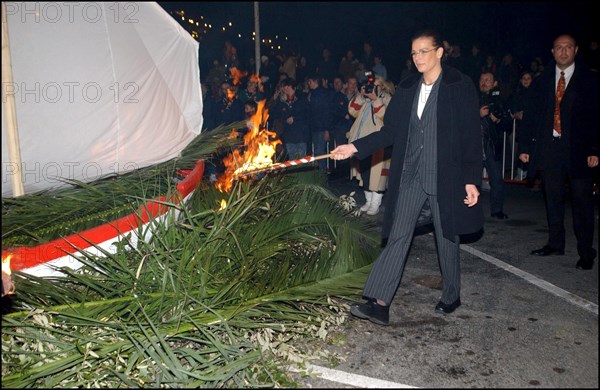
343	152
472	195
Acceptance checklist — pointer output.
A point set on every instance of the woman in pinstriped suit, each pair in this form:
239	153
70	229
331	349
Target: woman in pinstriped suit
433	124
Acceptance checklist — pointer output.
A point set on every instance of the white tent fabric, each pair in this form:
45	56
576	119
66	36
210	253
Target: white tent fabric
100	88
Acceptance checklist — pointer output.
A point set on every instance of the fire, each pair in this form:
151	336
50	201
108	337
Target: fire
7	285
255	79
6	264
259	148
230	94
237	75
223	205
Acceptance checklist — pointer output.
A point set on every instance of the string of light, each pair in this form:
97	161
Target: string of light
199	27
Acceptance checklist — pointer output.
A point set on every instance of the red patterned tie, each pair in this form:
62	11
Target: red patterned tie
560	91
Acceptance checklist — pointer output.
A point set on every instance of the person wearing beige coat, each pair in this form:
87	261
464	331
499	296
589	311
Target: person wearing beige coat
368	109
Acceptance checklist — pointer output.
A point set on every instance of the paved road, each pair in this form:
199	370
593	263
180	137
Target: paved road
525	321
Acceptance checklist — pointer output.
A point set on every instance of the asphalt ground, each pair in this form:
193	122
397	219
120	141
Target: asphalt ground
525	321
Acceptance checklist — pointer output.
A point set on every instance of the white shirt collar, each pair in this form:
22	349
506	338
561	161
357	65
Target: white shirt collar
568	73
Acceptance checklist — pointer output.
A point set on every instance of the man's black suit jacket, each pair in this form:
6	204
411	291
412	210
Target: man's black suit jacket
579	115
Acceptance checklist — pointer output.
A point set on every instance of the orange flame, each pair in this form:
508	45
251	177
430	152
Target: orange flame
237	75
255	78
6	264
7	285
259	148
223	205
231	93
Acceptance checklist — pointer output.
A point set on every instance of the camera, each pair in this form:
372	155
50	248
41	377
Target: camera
495	104
370	86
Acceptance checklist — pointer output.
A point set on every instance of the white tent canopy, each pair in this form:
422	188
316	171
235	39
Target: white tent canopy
100	88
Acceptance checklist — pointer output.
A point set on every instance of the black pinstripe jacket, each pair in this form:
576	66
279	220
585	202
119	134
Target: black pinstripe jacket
459	146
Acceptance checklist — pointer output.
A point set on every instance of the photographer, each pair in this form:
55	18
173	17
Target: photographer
495	121
368	107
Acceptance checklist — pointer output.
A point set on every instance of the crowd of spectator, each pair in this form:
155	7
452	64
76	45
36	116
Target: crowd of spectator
311	97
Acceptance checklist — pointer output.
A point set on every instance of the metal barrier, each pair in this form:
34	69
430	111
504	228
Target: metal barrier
511	173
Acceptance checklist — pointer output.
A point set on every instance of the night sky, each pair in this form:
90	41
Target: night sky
524	28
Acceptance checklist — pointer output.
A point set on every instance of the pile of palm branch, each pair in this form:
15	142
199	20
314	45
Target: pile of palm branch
215	300
41	217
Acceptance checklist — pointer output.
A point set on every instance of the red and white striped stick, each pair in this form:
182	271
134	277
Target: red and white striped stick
285	164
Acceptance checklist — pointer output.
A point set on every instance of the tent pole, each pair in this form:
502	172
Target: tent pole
257	39
8	99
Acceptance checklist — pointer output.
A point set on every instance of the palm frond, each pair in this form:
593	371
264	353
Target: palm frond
210	300
37	218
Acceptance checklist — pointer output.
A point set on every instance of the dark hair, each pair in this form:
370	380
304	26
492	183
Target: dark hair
252	104
314	77
435	37
289	82
526	71
488	72
339	76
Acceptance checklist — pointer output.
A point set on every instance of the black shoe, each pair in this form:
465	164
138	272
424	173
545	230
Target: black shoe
547	251
585	263
444	308
371	311
499	215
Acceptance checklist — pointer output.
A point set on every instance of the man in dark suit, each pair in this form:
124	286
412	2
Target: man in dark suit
432	122
567	148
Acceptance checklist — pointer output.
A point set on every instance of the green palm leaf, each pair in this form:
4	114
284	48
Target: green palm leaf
47	215
210	300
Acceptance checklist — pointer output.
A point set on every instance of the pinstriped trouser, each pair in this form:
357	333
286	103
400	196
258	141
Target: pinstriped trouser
386	274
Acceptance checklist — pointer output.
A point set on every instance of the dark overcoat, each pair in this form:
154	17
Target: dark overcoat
459	148
578	117
299	130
